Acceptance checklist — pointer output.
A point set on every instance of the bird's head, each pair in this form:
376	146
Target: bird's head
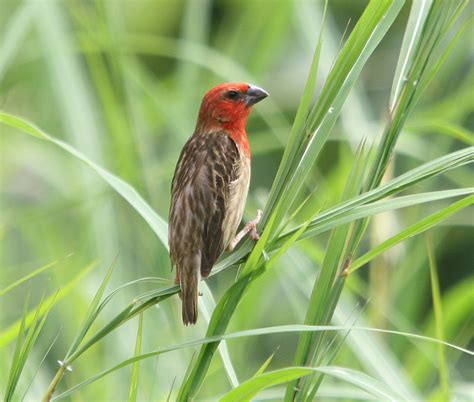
226	106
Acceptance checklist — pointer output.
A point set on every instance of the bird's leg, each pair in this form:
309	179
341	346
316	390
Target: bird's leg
250	228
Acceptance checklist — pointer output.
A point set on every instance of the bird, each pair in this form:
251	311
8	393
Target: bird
209	189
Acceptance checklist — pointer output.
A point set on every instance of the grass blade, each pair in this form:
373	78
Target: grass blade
14	32
438	317
327	287
25	343
16	364
250	388
32	274
413	230
253	332
207	304
158	224
91	313
368	32
418	14
320	225
442	127
297	129
132	393
10	333
265	364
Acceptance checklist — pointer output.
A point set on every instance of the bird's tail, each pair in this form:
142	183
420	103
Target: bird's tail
189	279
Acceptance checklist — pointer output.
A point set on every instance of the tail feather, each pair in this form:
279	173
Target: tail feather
189	280
189	309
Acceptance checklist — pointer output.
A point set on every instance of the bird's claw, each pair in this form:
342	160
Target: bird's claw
250	228
254	234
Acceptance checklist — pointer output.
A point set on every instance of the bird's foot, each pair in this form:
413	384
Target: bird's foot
250	228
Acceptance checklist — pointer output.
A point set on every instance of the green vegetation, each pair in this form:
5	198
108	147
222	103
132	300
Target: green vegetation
360	286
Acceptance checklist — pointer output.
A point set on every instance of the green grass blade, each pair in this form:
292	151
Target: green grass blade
457	311
250	388
207	306
320	225
45	355
7	335
450	46
297	130
92	311
373	352
158	224
118	320
265	365
26	343
423	172
133	391
371	385
137	306
254	259
32	274
413	230
442	127
16	364
284	248
428	40
368	349
411	39
439	322
327	288
356	213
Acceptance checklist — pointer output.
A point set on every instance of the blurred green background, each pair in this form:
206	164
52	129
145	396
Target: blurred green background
122	82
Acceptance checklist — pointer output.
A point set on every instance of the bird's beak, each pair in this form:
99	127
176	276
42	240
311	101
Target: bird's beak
254	94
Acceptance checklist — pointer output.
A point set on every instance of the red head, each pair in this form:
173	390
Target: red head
226	107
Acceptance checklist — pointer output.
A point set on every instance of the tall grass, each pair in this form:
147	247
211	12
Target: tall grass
126	99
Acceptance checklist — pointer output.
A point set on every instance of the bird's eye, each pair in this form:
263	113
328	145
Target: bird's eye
232	94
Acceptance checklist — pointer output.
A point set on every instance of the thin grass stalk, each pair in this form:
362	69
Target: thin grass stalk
325	294
297	129
369	30
438	319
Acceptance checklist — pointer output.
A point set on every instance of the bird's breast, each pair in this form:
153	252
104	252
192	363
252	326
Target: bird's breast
237	196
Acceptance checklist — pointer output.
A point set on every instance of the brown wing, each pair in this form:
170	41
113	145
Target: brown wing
207	166
223	169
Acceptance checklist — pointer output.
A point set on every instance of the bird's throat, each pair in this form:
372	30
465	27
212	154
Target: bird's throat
234	129
240	138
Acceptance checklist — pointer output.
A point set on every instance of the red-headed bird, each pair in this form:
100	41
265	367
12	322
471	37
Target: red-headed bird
210	187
